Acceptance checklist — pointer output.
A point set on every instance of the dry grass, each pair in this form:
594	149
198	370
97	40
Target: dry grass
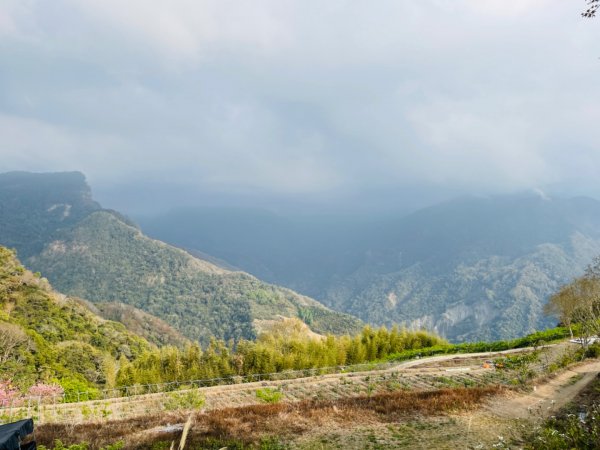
248	425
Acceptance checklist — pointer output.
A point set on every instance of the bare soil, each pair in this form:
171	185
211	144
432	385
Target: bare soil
502	419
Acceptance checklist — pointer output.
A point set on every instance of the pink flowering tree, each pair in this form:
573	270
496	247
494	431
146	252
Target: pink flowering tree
45	391
9	395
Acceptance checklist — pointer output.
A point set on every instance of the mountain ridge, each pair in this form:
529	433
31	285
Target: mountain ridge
102	257
476	267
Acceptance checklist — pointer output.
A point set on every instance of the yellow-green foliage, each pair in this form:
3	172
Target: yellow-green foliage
269	395
65	343
284	348
61	341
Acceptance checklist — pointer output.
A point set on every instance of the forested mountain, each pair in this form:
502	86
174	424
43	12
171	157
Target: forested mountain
51	343
151	328
46	336
99	255
472	268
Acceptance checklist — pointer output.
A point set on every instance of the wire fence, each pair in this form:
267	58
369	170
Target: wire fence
7	405
129	401
157	388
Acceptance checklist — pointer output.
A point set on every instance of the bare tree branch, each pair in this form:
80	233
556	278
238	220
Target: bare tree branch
11	337
593	6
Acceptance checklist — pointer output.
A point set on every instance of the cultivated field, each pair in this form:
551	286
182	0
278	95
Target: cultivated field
445	418
446	371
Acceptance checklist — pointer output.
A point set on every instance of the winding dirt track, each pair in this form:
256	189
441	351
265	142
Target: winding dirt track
548	397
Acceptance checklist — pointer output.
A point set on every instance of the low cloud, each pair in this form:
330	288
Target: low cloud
303	97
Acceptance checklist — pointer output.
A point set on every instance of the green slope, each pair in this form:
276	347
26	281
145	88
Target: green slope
101	256
47	336
104	259
151	328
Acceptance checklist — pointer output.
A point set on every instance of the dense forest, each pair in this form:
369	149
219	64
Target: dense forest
104	259
96	254
284	347
49	338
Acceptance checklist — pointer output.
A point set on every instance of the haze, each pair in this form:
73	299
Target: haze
301	103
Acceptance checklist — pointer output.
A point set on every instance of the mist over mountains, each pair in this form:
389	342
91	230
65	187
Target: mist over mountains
471	268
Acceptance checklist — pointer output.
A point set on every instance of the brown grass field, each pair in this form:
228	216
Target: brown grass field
250	426
414	408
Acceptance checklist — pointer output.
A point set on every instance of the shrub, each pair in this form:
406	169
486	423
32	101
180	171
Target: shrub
76	390
184	400
269	395
568	432
593	351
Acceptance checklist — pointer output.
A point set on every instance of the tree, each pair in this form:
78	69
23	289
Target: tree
562	305
587	312
11	337
579	303
593	6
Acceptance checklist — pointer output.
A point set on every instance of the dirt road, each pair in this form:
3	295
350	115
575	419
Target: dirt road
547	398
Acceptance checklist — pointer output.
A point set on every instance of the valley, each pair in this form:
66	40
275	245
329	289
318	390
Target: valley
104	328
299	225
101	256
474	268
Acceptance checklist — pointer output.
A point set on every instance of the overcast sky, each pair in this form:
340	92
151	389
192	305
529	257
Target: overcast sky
302	99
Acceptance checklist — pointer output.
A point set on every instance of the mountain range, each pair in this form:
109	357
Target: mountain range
472	268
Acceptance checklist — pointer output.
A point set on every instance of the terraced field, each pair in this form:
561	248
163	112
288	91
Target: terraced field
445	371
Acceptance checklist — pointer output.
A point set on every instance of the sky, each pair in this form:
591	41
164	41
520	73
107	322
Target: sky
302	101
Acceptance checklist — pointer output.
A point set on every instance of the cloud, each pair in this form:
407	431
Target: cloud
288	97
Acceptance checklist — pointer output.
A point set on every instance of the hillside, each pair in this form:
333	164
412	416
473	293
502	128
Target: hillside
473	268
102	257
47	336
151	328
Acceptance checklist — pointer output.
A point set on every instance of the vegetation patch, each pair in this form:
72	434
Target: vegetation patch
191	399
269	395
576	426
